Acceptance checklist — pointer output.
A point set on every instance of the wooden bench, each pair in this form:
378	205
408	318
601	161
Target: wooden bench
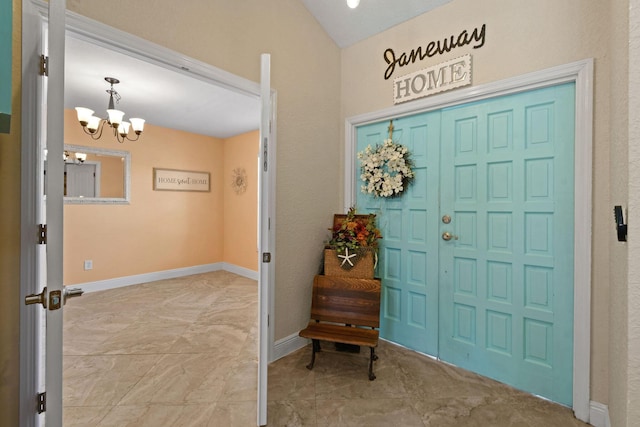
344	310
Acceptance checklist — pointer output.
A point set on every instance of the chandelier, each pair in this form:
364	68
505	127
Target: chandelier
93	125
76	158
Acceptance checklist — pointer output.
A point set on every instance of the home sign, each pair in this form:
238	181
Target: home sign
180	180
475	38
438	78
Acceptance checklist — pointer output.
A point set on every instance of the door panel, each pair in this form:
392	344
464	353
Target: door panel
266	238
502	169
80	180
54	211
507	282
408	250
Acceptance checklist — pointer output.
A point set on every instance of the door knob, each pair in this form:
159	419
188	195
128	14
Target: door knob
448	236
40	298
72	293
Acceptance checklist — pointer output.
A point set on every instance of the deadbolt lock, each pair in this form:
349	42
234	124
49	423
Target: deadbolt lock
446	219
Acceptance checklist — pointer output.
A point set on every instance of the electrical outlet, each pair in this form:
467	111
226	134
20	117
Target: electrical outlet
88	264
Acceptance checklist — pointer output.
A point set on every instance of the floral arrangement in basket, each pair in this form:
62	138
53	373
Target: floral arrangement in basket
385	169
354	237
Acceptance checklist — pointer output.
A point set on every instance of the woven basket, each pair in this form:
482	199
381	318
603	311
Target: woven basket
362	270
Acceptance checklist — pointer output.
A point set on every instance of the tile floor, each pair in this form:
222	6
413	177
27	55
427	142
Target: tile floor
182	352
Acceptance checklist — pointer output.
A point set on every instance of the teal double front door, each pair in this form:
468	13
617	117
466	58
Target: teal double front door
476	258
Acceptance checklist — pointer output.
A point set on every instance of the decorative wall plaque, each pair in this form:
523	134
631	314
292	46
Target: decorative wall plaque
438	78
180	180
239	180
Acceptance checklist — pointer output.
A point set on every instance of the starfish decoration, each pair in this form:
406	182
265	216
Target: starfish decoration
346	257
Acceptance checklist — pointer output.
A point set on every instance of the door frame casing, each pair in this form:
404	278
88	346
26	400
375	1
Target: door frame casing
581	73
31	318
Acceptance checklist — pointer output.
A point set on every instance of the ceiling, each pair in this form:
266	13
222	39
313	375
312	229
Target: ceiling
170	99
348	26
160	96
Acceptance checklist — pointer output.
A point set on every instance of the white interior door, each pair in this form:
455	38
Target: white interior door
266	227
81	180
46	265
44	287
33	213
54	206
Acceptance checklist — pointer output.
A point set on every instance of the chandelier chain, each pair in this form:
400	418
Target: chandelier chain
115	94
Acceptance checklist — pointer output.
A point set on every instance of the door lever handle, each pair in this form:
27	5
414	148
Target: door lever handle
40	298
72	293
448	236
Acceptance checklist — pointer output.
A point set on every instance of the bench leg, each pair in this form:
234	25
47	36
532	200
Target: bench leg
315	348
373	357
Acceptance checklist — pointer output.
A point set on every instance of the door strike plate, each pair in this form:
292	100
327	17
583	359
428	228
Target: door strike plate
42	402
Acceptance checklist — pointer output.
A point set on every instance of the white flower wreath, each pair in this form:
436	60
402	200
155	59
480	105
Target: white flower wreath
386	169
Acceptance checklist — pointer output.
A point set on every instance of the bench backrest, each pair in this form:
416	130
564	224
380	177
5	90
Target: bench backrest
346	300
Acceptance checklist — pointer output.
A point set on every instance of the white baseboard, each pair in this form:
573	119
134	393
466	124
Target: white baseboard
119	282
599	414
288	345
240	271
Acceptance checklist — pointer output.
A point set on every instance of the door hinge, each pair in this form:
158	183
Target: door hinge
42	402
42	234
266	257
266	153
44	65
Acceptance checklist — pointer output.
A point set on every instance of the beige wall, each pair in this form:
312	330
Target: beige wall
241	210
628	338
10	244
521	37
617	323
